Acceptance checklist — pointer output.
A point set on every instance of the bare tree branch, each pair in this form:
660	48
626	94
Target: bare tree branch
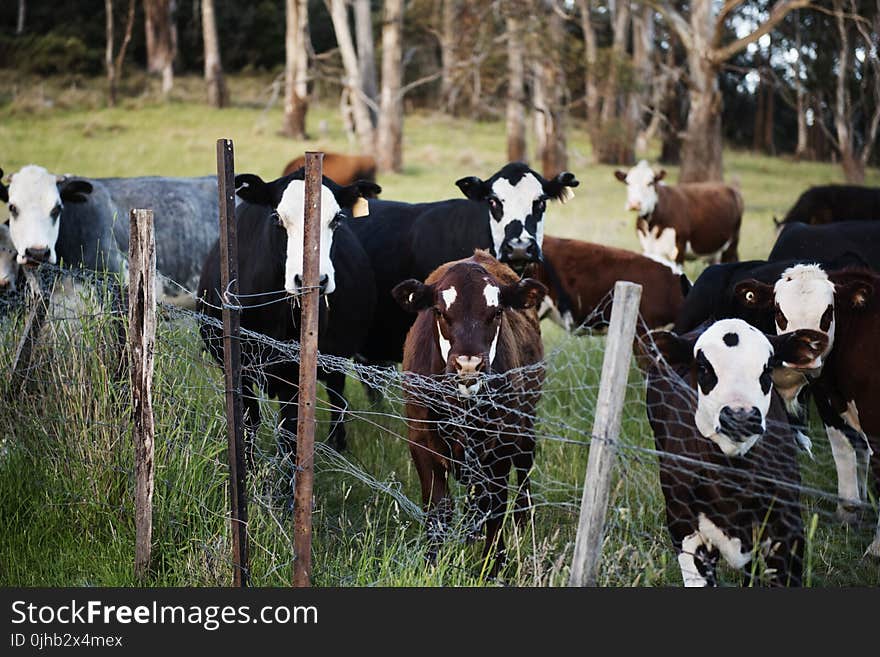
780	10
676	21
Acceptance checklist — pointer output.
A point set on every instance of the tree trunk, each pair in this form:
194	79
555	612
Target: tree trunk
801	149
218	96
161	39
354	84
447	53
389	143
648	80
516	107
621	21
295	70
108	53
363	24
19	23
548	100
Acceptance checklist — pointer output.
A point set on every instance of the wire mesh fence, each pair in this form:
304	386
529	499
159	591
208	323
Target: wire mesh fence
67	470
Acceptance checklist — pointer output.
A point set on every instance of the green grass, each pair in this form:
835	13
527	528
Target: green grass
66	462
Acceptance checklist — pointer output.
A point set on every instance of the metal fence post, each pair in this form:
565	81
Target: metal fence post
606	428
308	367
232	363
142	342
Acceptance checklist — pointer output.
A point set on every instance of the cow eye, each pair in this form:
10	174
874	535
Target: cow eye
13	210
498	312
334	222
276	219
539	206
781	319
827	318
55	212
495	208
706	377
766	379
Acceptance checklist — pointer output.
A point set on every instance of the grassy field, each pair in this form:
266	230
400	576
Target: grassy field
66	472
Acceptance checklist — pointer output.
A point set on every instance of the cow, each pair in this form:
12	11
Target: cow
8	261
848	388
728	460
270	260
472	378
857	241
84	222
503	214
687	220
826	204
580	275
340	168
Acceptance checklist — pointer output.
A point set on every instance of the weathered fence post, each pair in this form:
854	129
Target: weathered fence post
142	340
21	362
308	367
606	428
232	362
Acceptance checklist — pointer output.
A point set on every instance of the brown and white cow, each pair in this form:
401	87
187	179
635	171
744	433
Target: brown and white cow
473	374
728	458
848	389
340	168
688	220
579	275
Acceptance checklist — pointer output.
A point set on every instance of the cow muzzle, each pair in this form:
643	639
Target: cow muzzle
740	424
35	255
298	288
7	283
468	372
518	253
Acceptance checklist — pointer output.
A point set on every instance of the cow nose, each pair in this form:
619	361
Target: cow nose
520	251
4	283
37	253
740	423
634	206
468	366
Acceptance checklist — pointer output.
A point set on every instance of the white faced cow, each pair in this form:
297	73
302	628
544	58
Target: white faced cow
728	459
8	261
689	220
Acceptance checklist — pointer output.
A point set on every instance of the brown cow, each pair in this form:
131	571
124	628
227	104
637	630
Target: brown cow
342	169
848	389
689	220
473	376
579	275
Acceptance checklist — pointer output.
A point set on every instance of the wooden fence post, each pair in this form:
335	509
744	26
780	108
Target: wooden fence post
308	367
21	362
606	428
142	341
232	362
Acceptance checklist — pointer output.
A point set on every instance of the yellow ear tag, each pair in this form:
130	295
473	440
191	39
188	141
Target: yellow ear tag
567	195
360	208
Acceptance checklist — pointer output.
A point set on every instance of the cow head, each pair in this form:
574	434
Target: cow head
8	262
36	199
286	196
641	187
731	364
468	305
516	198
802	298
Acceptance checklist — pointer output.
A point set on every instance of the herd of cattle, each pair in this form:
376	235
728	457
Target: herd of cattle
455	290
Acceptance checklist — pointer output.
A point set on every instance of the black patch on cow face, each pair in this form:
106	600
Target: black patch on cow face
731	339
766	379
780	318
513	230
706	377
533	219
496	208
827	318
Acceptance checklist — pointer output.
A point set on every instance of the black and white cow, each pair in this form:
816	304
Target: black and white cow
503	214
84	222
728	460
270	265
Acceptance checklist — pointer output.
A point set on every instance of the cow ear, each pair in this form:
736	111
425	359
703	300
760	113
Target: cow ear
472	187
674	349
253	189
660	175
620	175
352	196
560	186
754	294
4	192
798	348
413	295
74	191
855	294
685	283
527	293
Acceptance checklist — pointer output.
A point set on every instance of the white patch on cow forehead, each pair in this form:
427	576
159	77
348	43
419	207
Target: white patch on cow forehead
492	294
527	190
749	340
293	203
449	295
640	174
33	184
804	289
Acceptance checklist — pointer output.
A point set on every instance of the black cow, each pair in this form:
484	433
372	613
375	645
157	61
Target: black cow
503	214
270	250
827	204
856	242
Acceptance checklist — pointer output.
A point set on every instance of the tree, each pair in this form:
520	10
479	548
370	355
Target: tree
296	70
19	23
548	92
354	92
591	59
516	93
218	96
363	27
701	35
389	141
161	40
114	66
447	38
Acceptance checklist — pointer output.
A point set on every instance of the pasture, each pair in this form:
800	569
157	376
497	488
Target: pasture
66	464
